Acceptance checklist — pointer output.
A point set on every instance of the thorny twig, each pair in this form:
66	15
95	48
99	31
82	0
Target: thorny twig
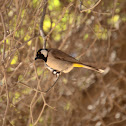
41	24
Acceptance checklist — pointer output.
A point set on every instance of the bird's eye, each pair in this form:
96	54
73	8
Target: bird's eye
39	53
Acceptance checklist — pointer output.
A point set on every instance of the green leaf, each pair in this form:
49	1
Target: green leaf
27	37
14	60
41	120
47	24
17	95
20	77
67	107
39	70
115	18
54	4
85	36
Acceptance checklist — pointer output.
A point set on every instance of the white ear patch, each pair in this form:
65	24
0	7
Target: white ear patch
44	52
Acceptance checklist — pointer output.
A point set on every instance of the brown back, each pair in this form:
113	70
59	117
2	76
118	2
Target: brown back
62	56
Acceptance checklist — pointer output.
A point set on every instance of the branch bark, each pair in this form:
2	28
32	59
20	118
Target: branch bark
41	24
91	8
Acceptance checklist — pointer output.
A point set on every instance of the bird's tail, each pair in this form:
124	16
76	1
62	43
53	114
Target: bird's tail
88	67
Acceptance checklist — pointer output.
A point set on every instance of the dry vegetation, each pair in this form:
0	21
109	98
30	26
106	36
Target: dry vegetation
95	34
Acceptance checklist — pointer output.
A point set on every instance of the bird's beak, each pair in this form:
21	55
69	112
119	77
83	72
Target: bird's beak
36	58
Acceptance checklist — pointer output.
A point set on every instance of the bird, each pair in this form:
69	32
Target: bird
59	62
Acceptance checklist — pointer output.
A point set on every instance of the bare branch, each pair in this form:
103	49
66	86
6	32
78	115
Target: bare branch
41	24
4	35
17	48
7	96
52	85
80	5
97	3
78	57
116	122
4	69
63	12
34	89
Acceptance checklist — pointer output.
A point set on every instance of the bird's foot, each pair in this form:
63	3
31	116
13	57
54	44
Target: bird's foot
57	73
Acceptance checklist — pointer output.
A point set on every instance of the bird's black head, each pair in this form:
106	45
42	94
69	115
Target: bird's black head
42	54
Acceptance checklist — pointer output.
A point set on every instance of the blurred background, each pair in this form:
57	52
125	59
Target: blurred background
92	31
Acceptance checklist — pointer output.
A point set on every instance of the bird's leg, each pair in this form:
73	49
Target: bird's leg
57	75
55	72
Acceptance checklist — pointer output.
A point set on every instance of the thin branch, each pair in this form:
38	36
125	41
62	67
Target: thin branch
12	32
53	84
116	122
83	53
80	5
37	90
118	74
69	29
20	64
5	34
18	47
45	103
34	89
41	24
39	115
4	69
63	12
7	95
110	29
34	100
91	8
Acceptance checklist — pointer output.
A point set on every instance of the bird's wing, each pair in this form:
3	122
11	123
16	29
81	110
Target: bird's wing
62	56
